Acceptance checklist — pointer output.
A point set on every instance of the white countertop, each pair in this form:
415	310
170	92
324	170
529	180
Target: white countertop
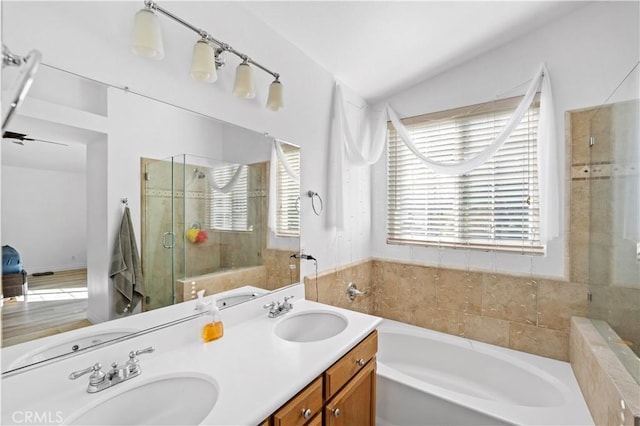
255	371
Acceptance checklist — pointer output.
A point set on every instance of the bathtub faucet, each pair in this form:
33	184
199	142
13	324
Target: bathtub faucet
353	292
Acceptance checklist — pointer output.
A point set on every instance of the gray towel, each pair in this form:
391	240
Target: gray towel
125	270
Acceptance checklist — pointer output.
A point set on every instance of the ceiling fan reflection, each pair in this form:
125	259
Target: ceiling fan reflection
20	138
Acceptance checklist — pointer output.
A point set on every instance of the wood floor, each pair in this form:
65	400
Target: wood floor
55	304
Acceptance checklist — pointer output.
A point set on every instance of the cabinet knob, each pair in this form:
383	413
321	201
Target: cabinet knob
361	362
336	412
306	413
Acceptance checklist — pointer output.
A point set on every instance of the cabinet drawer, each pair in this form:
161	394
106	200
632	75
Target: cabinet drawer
346	367
292	413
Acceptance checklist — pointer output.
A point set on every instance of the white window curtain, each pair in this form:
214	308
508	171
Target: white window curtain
228	187
277	157
343	139
227	206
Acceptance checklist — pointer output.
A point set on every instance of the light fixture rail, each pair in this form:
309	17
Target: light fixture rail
209	54
205	35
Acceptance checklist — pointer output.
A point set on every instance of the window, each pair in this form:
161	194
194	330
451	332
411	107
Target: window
228	212
288	195
495	206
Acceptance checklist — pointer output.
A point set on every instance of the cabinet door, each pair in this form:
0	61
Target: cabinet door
355	404
302	407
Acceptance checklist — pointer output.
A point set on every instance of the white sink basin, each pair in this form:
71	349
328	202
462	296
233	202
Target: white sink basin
179	400
311	326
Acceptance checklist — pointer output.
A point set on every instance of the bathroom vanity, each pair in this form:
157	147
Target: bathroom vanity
312	365
345	394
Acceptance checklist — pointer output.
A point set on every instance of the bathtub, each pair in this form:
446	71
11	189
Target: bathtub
431	378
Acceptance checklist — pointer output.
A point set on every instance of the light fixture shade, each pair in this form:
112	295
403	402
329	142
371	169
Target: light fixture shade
147	36
243	86
203	62
275	101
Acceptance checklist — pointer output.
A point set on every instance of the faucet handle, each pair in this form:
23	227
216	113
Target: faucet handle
133	365
141	351
286	305
97	376
271	305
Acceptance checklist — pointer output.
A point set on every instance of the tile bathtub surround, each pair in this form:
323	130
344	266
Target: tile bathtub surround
219	281
613	396
530	315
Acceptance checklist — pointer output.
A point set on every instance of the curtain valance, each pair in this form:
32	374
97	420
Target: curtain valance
367	146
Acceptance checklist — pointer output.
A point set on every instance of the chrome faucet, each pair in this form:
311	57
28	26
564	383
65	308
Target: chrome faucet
277	308
99	380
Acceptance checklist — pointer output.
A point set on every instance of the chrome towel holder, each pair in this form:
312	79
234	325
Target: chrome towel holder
314	195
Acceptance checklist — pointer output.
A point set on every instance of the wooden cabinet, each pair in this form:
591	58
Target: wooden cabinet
302	408
344	395
346	367
355	404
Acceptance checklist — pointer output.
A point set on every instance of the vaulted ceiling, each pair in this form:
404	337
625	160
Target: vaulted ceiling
381	47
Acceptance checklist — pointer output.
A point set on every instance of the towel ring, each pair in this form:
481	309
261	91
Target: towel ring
313	195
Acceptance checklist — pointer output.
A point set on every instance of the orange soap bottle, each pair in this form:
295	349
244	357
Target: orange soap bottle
214	329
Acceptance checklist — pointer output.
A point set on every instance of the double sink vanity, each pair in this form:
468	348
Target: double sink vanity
312	365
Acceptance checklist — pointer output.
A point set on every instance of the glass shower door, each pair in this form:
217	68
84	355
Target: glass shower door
614	234
158	251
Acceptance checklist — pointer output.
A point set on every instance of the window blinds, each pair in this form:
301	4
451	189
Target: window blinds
288	194
495	206
228	211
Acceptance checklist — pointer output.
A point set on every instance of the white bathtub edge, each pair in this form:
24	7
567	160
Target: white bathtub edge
574	411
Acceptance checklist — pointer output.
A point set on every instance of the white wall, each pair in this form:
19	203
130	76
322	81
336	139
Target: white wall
44	217
587	53
92	39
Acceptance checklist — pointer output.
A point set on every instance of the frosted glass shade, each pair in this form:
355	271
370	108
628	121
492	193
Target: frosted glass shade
147	37
243	86
203	62
274	101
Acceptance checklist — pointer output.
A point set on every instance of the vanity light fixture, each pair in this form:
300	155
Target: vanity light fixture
243	86
147	36
208	55
203	65
274	101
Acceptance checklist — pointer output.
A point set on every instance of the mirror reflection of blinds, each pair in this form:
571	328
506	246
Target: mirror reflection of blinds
288	193
495	206
228	212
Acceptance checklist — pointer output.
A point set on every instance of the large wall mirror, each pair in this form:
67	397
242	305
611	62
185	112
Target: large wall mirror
214	206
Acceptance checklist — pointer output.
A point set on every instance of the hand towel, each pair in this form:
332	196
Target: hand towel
126	271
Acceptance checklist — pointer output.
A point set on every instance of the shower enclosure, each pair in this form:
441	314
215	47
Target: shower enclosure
200	216
613	183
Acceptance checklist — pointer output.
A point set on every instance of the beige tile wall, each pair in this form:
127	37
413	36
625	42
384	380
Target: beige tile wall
612	394
531	315
220	281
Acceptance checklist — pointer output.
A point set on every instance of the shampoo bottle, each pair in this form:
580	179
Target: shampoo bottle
213	329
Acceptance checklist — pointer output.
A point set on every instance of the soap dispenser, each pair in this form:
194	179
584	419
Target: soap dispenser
213	330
